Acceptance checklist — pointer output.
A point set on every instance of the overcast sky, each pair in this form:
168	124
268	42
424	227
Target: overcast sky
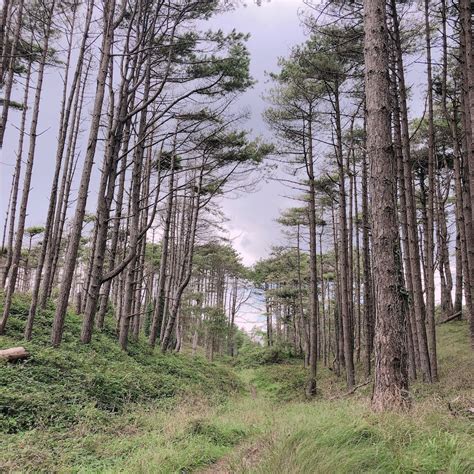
274	28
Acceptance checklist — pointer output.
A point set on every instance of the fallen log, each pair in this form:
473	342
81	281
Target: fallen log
14	353
350	392
454	316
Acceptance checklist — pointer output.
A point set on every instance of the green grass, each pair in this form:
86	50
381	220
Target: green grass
60	387
284	382
151	438
97	409
346	437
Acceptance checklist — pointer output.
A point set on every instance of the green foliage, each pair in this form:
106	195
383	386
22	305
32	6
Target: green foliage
222	435
283	382
256	433
279	274
235	147
215	321
231	72
217	256
345	437
153	255
253	355
57	387
35	230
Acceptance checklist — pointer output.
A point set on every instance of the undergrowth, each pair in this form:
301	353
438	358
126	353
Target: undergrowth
346	437
60	387
93	408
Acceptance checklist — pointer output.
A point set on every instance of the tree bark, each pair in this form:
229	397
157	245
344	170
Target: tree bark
11	72
391	377
430	269
418	302
313	269
14	353
16	178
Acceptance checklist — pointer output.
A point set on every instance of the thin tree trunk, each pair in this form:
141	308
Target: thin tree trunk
313	286
17	175
462	264
63	125
158	311
187	260
368	290
11	72
418	302
430	270
64	195
73	247
28	173
344	260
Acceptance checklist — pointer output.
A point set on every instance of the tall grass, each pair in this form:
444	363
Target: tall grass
97	409
345	437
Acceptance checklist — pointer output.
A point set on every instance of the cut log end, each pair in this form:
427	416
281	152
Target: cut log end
14	353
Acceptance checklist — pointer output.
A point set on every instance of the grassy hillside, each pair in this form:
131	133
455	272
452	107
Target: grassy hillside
90	386
96	409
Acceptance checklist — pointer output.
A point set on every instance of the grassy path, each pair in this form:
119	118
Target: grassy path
270	429
337	434
255	434
344	436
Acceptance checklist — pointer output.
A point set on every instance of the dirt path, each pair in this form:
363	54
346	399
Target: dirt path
244	457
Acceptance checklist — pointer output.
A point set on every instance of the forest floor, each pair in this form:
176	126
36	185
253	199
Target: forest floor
95	409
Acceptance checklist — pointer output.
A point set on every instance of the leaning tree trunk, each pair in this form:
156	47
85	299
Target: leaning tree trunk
391	378
16	179
73	247
64	194
66	105
45	259
4	26
28	173
11	72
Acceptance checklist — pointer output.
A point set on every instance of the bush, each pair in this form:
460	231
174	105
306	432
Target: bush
255	355
220	435
280	382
